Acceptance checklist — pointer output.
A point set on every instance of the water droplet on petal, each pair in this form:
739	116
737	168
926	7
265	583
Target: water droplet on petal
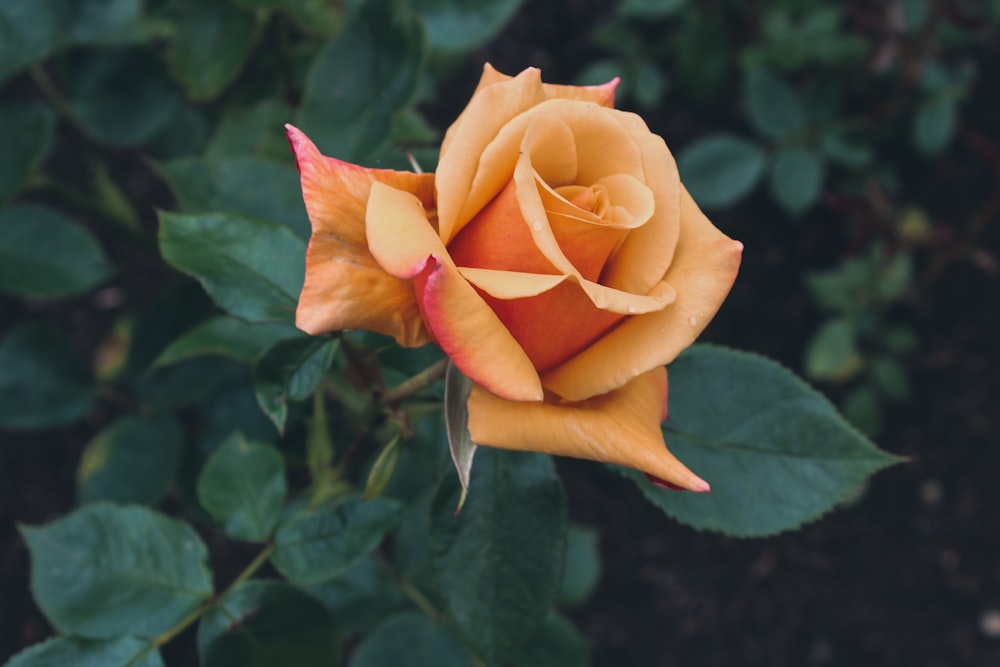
693	321
537	226
631	309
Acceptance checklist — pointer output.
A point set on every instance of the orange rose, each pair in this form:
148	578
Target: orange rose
554	256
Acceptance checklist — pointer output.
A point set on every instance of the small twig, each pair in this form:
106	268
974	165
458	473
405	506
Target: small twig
423	379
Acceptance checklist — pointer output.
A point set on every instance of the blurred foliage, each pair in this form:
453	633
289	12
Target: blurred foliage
145	165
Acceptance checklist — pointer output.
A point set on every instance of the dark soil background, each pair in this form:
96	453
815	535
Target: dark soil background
907	574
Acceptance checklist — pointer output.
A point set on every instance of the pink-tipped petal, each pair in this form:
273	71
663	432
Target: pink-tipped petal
404	243
345	288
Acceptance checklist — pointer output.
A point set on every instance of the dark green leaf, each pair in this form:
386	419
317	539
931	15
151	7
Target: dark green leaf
891	377
121	97
583	565
242	486
414	640
499	562
257	130
775	451
360	596
42	384
840	149
316	546
650	8
462	25
251	268
267	624
210	44
556	644
29	32
721	169
832	352
26	134
99	22
361	79
796	179
456	409
248	186
226	336
45	256
772	105
131	461
863	408
106	570
934	126
316	16
66	651
290	371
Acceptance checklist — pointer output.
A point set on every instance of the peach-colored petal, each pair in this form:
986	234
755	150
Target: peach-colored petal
647	251
345	288
602	94
703	270
405	244
554	317
621	427
490	109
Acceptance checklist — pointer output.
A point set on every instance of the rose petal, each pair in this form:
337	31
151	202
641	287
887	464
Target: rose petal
345	288
646	253
405	244
621	427
488	111
703	270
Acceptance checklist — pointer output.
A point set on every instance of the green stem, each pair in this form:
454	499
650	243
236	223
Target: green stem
423	379
409	590
200	610
51	91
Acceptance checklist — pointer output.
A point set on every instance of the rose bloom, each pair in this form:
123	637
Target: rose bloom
554	256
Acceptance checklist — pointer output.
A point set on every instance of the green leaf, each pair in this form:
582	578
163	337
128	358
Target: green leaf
42	384
891	377
211	42
251	268
257	130
64	651
26	132
411	639
315	16
772	105
934	126
121	97
45	256
456	409
650	8
361	79
583	565
499	563
721	169
360	596
556	644
290	371
248	186
226	336
99	22
29	32
775	451
832	352
133	460
242	486
840	149
267	624
463	25
863	408
315	546
796	179
107	570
